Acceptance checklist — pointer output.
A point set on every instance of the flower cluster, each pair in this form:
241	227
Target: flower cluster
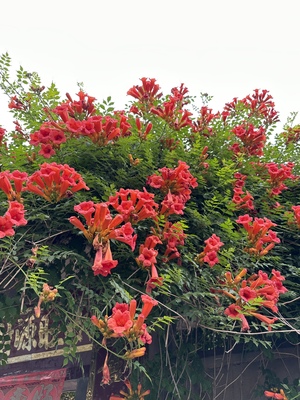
259	234
19	133
123	322
103	262
17	104
176	184
134	205
253	140
296	210
172	110
146	94
101	227
251	294
55	181
175	104
241	199
52	181
11	183
80	109
277	176
78	119
48	294
259	105
14	216
202	124
148	255
101	130
50	138
147	260
177	119
179	96
173	236
210	252
132	395
13	192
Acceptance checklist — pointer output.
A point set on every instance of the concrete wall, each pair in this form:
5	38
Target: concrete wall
235	376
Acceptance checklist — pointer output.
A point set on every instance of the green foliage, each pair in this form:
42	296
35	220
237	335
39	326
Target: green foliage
35	280
189	319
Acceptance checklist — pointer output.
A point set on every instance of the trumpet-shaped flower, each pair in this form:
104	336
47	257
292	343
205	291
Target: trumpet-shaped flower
154	280
6	226
258	234
54	182
134	205
16	213
177	181
147	93
275	395
209	254
234	311
103	263
120	322
132	394
148	304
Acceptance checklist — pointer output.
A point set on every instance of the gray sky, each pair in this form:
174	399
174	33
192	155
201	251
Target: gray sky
225	48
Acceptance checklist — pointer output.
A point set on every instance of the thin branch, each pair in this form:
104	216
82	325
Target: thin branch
232	382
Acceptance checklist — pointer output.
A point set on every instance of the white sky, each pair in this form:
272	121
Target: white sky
226	48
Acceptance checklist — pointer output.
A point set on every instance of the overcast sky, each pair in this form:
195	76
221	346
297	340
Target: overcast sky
224	48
